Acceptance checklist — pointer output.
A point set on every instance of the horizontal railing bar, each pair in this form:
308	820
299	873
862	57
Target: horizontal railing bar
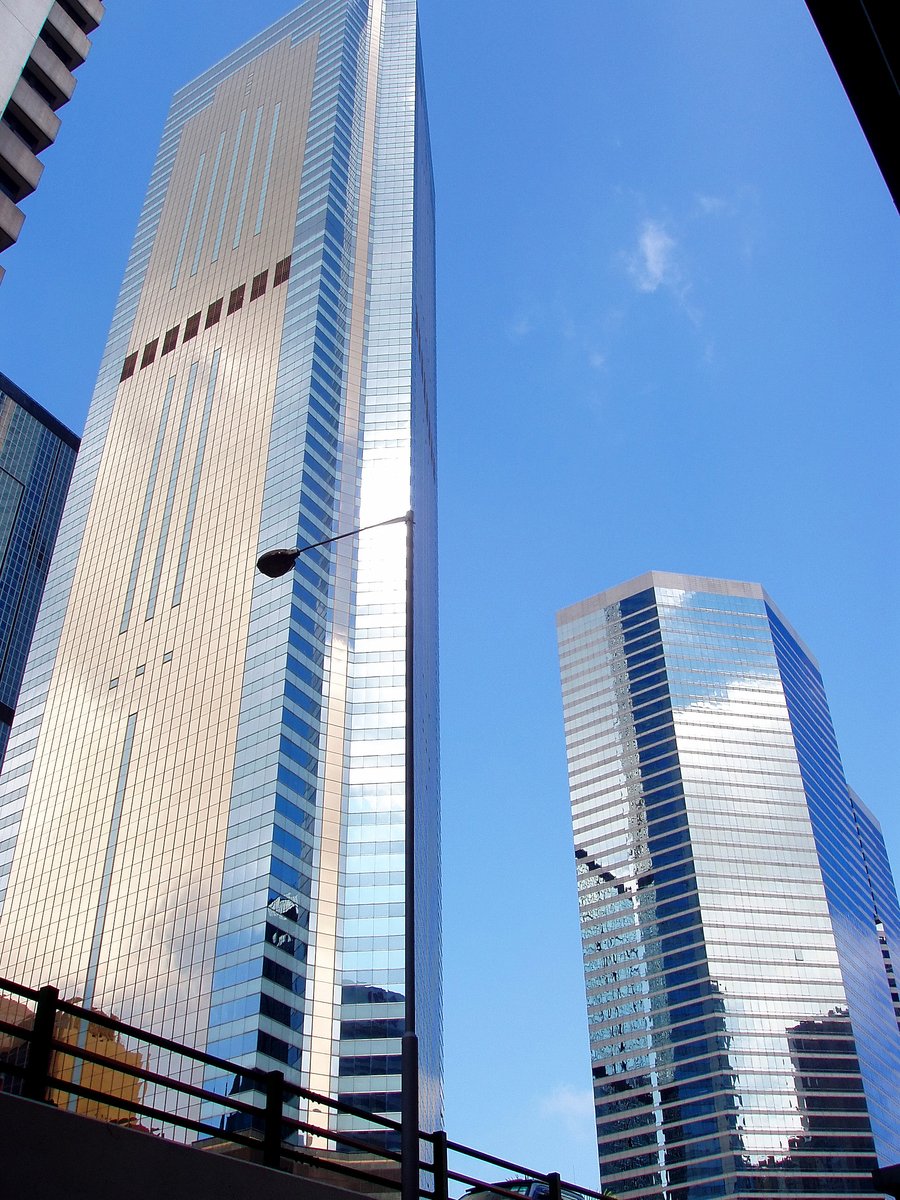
255	1078
457	1177
146	1110
81	1053
306	1155
585	1191
230	1068
162	1043
345	1137
310	1158
351	1110
17	1031
18	989
487	1187
189	1089
287	1151
516	1168
257	1074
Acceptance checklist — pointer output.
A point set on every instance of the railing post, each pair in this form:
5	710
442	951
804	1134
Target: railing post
439	1166
40	1048
274	1119
553	1179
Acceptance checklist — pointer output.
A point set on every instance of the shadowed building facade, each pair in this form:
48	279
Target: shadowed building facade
37	454
206	799
739	919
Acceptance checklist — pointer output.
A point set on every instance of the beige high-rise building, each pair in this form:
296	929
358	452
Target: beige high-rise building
41	43
202	813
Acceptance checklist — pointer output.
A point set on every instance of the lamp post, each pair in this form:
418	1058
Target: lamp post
275	563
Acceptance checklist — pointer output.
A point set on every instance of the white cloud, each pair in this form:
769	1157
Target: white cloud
597	360
571	1107
658	262
654	263
520	326
711	205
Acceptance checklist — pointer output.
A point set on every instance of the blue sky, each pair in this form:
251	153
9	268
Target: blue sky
668	321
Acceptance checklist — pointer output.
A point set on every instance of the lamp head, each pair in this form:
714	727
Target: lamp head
276	562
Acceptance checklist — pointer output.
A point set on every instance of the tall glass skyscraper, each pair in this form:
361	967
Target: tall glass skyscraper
204	791
739	920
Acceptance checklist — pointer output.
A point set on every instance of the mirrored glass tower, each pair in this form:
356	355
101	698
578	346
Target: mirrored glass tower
204	791
739	919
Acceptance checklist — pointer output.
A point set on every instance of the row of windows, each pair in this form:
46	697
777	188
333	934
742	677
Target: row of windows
258	287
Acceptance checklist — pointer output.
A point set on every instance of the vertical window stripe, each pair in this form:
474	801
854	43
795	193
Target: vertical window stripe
112	839
195	482
170	494
187	221
209	195
268	167
148	500
228	183
249	171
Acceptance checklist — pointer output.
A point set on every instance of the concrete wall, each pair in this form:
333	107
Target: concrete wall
20	23
46	1154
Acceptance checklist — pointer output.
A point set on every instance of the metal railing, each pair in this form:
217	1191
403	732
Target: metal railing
60	1053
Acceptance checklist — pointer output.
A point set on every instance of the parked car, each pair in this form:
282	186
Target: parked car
528	1189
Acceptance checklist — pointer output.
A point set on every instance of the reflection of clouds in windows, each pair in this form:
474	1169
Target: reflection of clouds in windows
718	652
679	714
753	848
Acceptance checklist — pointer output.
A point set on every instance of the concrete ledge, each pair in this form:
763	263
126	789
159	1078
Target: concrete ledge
19	162
90	13
56	78
35	114
73	41
48	1154
11	219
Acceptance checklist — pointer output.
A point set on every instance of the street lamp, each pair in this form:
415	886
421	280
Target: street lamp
275	563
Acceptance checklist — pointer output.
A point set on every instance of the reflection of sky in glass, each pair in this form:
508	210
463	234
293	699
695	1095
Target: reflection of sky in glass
736	756
708	926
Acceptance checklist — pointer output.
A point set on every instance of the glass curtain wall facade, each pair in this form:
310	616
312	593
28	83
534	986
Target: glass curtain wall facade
205	795
37	454
738	912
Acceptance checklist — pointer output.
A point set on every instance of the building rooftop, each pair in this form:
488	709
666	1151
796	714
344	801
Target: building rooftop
678	582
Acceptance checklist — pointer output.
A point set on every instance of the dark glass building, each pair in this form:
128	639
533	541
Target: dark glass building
37	454
739	919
